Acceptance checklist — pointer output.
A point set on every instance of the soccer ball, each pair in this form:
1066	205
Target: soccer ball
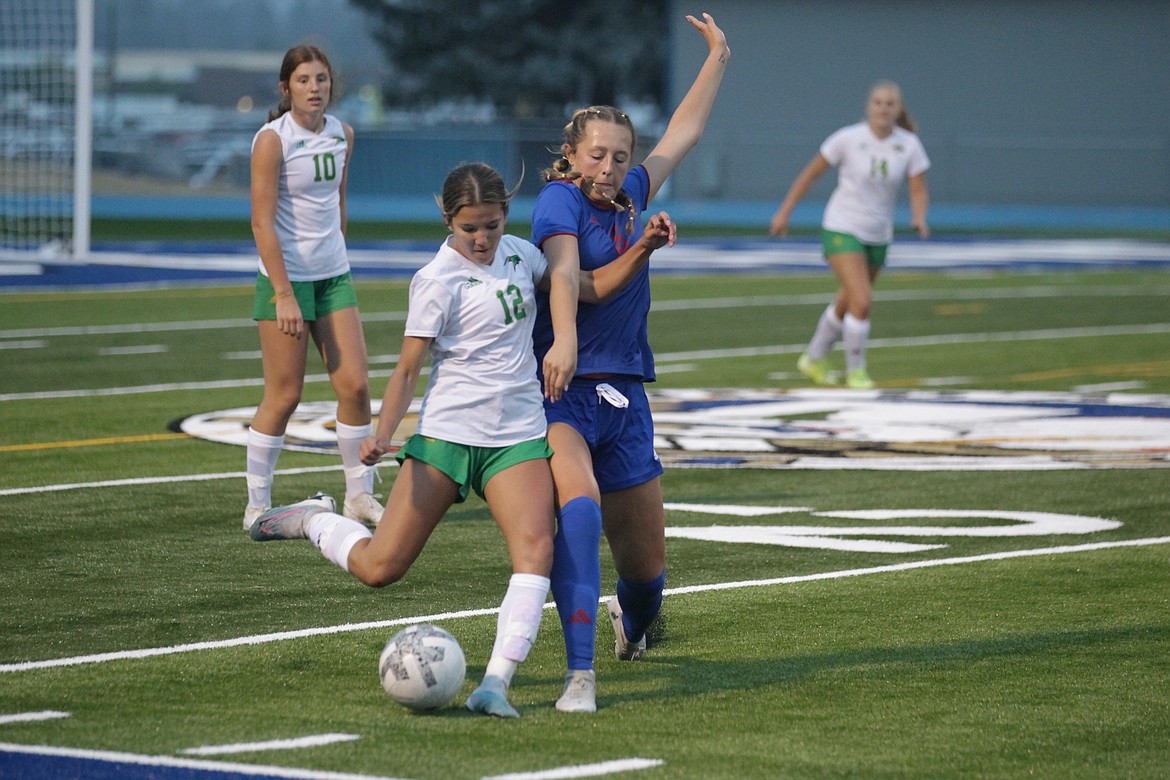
422	667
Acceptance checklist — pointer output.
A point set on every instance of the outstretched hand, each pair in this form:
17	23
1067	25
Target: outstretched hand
659	232
716	40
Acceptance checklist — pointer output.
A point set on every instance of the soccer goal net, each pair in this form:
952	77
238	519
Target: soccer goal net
46	53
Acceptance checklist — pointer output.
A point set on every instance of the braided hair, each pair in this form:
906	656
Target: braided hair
562	169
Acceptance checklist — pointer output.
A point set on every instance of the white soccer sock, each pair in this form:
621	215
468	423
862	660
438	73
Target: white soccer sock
828	332
516	627
856	333
263	450
335	535
359	478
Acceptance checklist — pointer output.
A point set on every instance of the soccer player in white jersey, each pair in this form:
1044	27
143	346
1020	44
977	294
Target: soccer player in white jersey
481	426
303	286
873	158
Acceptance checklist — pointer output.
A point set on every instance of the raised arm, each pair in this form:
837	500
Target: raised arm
813	171
690	118
400	390
601	284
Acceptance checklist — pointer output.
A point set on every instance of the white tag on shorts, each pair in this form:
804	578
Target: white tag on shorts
612	396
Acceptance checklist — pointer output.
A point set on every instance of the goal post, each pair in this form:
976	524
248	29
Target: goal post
83	130
46	110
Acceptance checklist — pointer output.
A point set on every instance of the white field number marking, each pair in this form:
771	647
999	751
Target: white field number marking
316	740
829	537
30	717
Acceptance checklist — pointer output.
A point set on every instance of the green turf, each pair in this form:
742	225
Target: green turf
1049	666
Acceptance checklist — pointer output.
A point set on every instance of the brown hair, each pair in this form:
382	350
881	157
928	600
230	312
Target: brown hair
473	183
293	59
574	131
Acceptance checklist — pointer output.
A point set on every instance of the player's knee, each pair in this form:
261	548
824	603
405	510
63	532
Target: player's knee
353	388
380	576
282	399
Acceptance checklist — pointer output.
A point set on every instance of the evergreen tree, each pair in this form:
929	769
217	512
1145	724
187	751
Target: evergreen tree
528	58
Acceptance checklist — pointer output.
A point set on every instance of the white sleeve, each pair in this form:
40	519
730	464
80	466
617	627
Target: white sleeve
833	149
427	310
918	162
538	262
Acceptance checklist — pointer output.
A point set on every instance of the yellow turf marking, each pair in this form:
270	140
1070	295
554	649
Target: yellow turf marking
954	309
1157	368
49	445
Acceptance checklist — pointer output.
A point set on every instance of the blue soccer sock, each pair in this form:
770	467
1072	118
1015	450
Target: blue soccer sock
576	577
640	602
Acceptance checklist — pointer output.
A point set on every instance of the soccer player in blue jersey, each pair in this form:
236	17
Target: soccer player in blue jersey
481	426
600	430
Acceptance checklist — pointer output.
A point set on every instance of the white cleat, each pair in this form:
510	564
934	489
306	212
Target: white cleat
580	693
252	514
288	522
364	508
623	648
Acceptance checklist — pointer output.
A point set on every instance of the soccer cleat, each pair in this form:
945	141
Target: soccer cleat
817	370
623	648
364	508
251	514
580	694
288	522
491	698
858	379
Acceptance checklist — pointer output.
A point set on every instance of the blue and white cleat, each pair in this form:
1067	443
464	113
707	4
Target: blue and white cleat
491	698
623	648
288	522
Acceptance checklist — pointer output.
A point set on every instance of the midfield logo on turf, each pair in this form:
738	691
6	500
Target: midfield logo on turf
842	429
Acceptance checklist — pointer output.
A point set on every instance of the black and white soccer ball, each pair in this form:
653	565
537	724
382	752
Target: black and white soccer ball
422	667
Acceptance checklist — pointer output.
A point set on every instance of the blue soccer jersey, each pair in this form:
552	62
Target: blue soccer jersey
612	336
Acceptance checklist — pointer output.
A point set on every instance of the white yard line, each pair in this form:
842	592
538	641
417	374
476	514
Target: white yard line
664	357
162	480
257	639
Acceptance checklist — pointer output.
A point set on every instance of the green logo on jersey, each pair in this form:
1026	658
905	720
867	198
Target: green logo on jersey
513	259
472	282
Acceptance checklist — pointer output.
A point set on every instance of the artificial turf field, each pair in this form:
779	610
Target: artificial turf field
965	573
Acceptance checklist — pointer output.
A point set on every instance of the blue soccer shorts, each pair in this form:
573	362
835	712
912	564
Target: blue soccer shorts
613	416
